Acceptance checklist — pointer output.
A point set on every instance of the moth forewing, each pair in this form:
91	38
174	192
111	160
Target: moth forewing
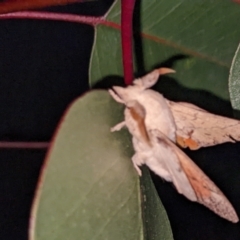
198	128
164	155
206	191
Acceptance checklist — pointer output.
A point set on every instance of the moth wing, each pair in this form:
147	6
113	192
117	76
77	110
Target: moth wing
198	128
164	157
206	191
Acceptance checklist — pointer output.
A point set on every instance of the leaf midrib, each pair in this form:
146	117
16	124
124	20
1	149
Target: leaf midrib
171	44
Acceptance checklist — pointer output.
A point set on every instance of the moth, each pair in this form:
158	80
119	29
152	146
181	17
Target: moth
158	125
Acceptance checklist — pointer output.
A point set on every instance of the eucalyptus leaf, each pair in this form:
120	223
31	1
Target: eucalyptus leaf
156	223
88	187
234	80
203	33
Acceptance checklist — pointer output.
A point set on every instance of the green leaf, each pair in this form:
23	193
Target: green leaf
205	31
89	188
234	80
156	222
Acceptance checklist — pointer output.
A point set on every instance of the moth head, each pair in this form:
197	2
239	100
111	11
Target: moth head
151	78
122	93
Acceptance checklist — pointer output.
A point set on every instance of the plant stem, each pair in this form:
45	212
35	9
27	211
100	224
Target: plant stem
127	8
53	16
25	145
12	6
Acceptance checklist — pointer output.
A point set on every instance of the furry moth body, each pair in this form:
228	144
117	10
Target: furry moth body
156	124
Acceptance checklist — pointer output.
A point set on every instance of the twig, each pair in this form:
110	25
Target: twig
25	145
12	6
54	16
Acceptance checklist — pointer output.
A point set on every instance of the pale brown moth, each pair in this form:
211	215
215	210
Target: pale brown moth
157	125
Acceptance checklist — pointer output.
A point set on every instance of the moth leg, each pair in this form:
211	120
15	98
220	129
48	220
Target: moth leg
187	142
115	96
138	160
118	127
137	169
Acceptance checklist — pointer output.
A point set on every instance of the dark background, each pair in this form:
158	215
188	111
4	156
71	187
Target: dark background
44	67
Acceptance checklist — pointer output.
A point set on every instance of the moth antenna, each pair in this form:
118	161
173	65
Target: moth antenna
151	78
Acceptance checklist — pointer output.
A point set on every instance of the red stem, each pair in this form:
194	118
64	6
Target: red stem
18	5
53	16
127	8
25	145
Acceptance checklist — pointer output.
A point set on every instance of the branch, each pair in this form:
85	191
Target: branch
16	5
25	145
54	16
